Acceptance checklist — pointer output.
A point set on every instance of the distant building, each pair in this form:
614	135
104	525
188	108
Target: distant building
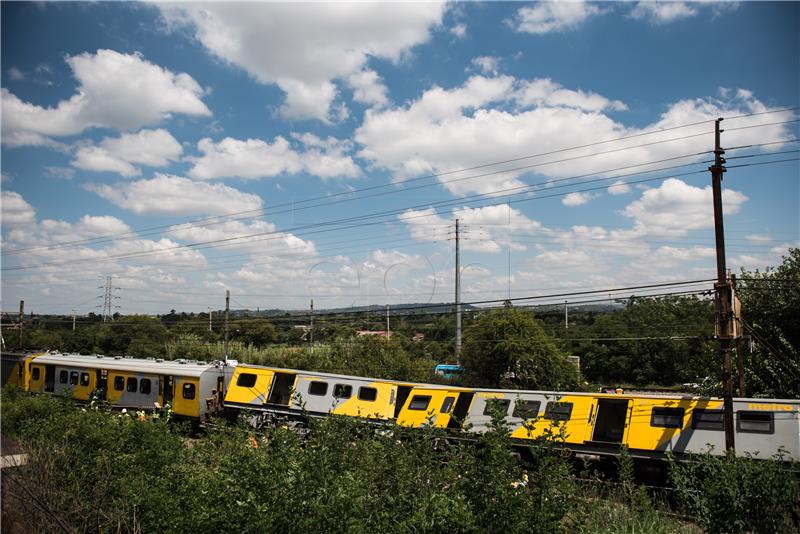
419	336
576	361
379	333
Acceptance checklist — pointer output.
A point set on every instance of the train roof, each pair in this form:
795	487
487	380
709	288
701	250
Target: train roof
141	365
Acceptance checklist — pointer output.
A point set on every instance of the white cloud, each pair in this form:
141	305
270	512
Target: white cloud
154	148
546	17
118	91
304	50
173	195
619	188
486	229
15	209
15	74
662	12
459	30
486	64
254	158
480	121
65	173
367	88
676	207
272	242
577	198
546	92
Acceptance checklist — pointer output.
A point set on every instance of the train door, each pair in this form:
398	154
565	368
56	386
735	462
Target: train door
167	389
459	415
402	395
49	378
281	392
611	420
102	383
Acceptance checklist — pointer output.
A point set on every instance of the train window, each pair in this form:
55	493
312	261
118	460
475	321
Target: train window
63	377
35	373
367	394
526	409
145	387
342	391
419	402
84	379
188	391
246	380
495	405
73	378
132	384
318	388
119	383
558	411
447	405
707	419
755	422
667	417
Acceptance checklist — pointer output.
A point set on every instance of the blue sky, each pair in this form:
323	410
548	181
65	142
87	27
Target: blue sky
297	151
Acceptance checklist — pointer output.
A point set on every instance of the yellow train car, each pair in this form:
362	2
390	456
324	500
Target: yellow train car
193	389
16	368
587	423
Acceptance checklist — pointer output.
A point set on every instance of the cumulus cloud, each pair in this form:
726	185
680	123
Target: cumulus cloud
254	158
459	30
662	12
486	229
486	64
154	148
368	88
546	92
266	237
115	90
174	195
15	209
484	120
304	51
546	17
577	198
676	207
619	188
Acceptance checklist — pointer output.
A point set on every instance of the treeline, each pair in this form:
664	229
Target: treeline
640	341
89	470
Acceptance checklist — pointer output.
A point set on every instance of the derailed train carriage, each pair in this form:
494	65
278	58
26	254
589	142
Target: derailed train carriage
194	390
590	423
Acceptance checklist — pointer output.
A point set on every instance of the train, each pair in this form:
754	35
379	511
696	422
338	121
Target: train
595	424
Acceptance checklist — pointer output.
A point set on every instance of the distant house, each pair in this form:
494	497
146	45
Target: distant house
419	336
379	333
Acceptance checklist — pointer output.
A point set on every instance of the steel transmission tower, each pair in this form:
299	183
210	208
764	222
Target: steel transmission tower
108	299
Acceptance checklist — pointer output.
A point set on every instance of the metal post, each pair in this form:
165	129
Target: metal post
311	329
458	296
227	311
21	317
723	289
388	328
209	318
566	316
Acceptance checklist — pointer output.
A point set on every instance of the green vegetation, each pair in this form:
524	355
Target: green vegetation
90	470
509	348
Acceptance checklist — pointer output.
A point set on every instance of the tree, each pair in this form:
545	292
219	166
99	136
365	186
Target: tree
508	347
770	304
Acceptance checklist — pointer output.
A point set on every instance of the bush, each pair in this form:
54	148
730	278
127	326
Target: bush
735	494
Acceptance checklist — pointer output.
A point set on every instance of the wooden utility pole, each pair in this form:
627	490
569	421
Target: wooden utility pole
19	325
458	296
227	312
723	289
311	329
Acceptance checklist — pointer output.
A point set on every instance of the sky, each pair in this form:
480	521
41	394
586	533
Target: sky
289	152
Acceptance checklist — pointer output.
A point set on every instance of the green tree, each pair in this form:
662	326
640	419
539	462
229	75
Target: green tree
770	304
508	347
